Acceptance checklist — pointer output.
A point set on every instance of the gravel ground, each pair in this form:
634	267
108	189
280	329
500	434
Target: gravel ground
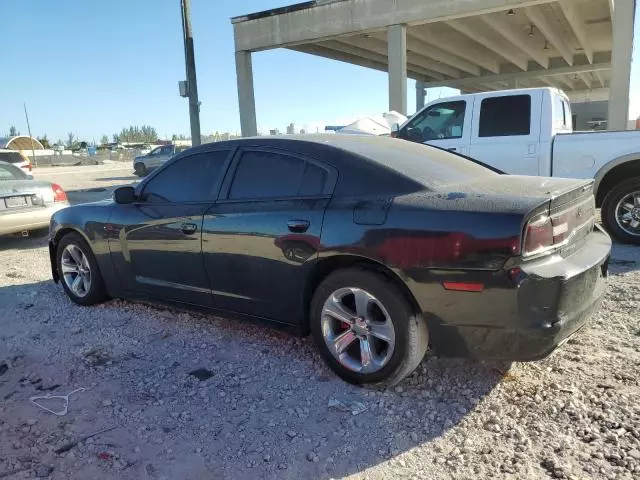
266	406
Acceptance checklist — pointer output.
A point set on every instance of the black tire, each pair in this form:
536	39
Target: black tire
608	210
140	169
97	293
411	335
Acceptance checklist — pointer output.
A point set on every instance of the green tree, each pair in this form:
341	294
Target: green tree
104	140
45	141
137	134
13	132
71	140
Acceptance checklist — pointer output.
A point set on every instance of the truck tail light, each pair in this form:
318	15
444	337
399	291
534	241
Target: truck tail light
538	235
59	194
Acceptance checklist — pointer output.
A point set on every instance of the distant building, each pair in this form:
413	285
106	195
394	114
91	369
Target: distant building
291	129
274	131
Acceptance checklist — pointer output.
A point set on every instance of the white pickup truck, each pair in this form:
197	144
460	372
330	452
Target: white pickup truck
529	132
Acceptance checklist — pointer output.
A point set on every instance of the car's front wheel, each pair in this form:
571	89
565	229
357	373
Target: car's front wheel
365	329
79	272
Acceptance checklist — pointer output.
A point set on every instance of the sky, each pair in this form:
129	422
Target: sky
92	68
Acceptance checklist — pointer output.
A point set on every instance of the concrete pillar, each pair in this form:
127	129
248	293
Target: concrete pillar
420	91
246	99
397	60
622	20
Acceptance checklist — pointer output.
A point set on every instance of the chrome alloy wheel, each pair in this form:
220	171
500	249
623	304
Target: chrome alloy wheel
76	270
628	213
358	330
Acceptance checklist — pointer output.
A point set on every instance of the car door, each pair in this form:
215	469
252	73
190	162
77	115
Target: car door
262	236
156	245
505	133
446	125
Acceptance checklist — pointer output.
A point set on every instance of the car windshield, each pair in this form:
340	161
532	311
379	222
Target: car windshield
9	172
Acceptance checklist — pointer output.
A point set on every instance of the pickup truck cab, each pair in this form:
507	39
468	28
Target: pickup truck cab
529	132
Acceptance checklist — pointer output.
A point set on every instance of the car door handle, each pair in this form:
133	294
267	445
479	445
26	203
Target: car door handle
298	226
452	149
188	228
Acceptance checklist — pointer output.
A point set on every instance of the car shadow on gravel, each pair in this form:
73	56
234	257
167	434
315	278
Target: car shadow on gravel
36	239
268	409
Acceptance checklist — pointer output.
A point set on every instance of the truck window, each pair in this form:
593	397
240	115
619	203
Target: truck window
559	114
505	116
567	113
437	122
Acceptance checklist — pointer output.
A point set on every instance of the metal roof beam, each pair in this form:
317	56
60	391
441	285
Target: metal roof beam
516	38
529	74
324	21
449	40
574	18
502	49
380	47
554	38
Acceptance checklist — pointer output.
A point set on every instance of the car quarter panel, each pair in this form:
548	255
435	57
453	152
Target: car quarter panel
90	220
426	247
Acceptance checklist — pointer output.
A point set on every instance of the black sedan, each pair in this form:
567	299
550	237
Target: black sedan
378	247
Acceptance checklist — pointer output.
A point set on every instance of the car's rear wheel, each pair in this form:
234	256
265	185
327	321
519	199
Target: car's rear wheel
140	169
621	211
79	272
365	329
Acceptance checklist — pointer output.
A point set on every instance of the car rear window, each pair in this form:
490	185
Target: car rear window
11	157
431	167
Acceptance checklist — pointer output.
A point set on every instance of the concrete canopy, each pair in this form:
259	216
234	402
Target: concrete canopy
473	45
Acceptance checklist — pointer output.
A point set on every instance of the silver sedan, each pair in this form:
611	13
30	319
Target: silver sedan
26	204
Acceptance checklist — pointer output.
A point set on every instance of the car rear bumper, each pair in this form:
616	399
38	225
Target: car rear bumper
28	219
550	300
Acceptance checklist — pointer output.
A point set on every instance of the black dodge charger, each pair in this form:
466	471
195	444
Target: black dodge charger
378	247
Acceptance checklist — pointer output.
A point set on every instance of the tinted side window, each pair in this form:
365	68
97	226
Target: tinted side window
273	175
190	179
505	116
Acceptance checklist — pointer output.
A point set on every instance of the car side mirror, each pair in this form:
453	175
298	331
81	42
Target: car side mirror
30	177
395	128
124	195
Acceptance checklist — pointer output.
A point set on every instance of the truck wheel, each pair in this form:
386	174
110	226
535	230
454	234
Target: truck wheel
365	329
621	211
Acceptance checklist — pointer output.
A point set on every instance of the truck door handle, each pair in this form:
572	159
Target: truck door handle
298	226
452	149
188	228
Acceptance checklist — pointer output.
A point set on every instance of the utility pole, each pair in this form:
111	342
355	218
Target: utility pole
33	150
192	84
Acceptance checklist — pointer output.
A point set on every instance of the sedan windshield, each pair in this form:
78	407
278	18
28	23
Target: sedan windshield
9	172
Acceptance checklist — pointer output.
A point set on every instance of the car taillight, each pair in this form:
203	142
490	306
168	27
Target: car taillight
59	194
538	235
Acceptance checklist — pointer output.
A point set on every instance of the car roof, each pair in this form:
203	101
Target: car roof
429	166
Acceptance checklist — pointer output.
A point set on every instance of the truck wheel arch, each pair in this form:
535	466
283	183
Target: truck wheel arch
613	172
